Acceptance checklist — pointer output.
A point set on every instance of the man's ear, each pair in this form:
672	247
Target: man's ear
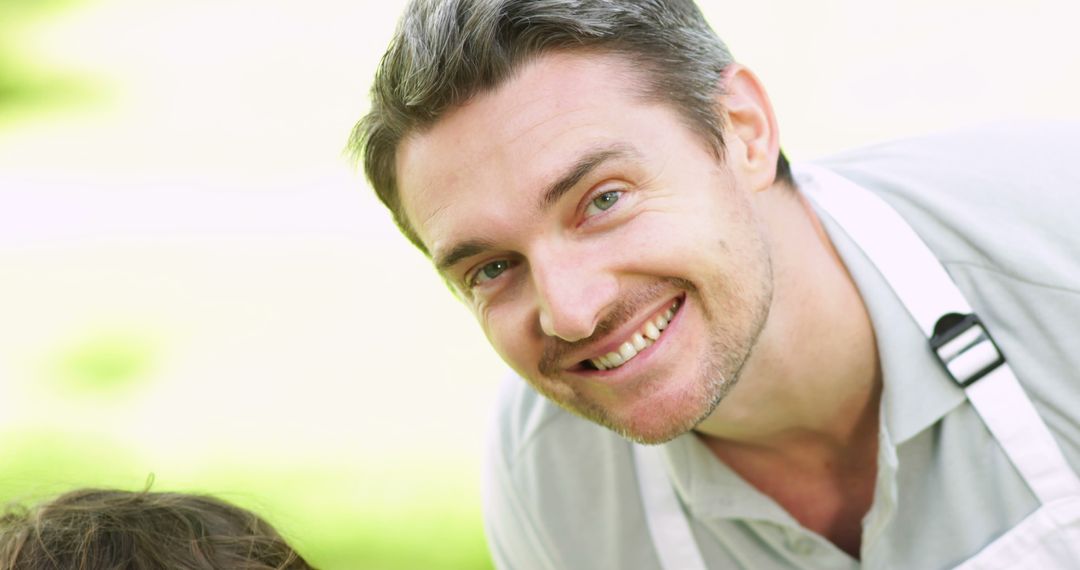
751	134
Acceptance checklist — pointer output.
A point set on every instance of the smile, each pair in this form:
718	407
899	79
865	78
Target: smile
643	338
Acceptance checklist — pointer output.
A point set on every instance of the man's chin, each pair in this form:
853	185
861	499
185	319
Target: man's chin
657	431
653	438
652	426
659	413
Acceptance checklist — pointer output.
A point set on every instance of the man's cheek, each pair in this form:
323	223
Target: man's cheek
512	345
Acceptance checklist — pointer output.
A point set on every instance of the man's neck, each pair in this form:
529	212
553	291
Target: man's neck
827	489
807	399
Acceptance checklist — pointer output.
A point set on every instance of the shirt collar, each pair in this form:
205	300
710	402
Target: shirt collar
917	391
710	489
916	394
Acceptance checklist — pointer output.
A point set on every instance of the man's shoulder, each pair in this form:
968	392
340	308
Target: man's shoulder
997	206
540	454
549	476
1026	148
1000	197
529	426
992	168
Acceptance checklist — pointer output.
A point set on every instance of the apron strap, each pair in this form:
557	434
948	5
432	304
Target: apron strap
670	530
956	335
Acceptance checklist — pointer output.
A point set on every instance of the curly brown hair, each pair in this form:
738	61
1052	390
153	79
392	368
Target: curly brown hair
99	529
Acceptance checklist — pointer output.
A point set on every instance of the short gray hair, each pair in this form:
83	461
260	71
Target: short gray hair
445	51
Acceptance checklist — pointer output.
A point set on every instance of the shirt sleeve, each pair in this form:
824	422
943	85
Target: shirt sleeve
515	539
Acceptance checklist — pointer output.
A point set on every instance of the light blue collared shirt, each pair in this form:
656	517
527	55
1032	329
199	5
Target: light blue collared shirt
999	207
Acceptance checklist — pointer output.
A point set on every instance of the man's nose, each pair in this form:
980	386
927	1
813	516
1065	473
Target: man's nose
572	296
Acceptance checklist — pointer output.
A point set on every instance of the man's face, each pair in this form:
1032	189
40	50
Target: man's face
611	259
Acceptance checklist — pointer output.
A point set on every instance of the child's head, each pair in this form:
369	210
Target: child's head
94	529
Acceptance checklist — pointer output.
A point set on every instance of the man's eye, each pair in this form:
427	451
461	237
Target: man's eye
602	202
488	272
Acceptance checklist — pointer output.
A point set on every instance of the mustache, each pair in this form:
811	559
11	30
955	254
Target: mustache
622	311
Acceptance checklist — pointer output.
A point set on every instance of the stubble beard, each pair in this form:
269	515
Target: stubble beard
728	350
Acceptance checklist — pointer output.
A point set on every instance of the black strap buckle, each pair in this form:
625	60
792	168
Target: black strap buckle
964	347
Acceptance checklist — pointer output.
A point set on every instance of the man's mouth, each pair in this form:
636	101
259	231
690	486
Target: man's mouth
643	338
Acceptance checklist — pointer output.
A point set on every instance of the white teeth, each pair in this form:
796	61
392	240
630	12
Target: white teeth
640	340
661	322
651	330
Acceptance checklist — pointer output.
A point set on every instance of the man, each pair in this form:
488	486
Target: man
603	186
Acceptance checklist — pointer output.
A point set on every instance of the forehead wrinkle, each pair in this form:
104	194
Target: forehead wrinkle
422	219
425	211
433	214
517	122
549	117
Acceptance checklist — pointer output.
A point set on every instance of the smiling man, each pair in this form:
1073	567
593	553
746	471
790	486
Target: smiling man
585	263
603	186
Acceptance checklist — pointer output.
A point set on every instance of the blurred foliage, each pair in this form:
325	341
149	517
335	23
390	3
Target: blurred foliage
40	464
103	364
389	516
25	84
422	513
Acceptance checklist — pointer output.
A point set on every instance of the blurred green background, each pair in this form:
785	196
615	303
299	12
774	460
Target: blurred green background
196	284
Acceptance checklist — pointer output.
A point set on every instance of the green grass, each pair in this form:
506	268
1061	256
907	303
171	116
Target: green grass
385	515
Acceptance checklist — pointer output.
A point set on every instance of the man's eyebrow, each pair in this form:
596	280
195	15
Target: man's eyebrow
584	165
465	249
581	168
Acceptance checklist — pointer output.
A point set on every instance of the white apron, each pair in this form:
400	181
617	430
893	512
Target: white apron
1049	538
